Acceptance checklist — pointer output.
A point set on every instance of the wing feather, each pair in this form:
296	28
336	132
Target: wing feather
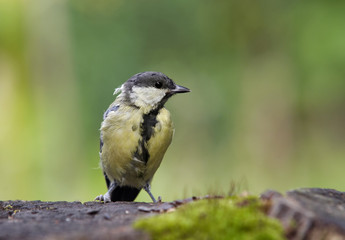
105	115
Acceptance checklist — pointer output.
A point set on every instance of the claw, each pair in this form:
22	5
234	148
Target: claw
99	198
106	197
103	198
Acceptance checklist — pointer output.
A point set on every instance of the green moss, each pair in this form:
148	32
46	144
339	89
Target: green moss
229	218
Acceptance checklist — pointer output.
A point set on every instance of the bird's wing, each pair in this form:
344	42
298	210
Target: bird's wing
110	109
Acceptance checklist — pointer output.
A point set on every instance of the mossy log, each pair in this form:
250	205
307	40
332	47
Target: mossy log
303	214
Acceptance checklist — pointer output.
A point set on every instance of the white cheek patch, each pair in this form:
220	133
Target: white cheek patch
147	96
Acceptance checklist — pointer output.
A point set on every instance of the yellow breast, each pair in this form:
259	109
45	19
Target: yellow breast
121	132
159	142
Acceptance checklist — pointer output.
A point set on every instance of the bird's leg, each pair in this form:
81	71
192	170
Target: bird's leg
147	188
106	197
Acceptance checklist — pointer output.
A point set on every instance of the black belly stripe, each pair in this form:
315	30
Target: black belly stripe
147	131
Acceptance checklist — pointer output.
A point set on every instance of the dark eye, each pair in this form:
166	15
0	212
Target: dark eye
158	84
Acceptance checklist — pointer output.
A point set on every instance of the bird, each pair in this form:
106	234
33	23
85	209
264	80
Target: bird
135	133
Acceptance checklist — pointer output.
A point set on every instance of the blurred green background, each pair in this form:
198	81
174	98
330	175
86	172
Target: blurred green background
267	107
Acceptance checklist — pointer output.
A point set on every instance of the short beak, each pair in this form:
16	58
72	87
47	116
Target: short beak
179	89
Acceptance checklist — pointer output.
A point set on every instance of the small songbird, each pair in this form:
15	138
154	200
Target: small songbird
135	134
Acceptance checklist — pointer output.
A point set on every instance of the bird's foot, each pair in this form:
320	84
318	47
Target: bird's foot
103	198
147	188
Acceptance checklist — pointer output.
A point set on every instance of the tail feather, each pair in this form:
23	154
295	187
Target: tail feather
124	193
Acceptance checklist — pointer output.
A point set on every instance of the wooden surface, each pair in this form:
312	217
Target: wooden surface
304	213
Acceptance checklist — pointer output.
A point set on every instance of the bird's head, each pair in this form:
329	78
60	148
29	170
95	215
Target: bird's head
148	90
